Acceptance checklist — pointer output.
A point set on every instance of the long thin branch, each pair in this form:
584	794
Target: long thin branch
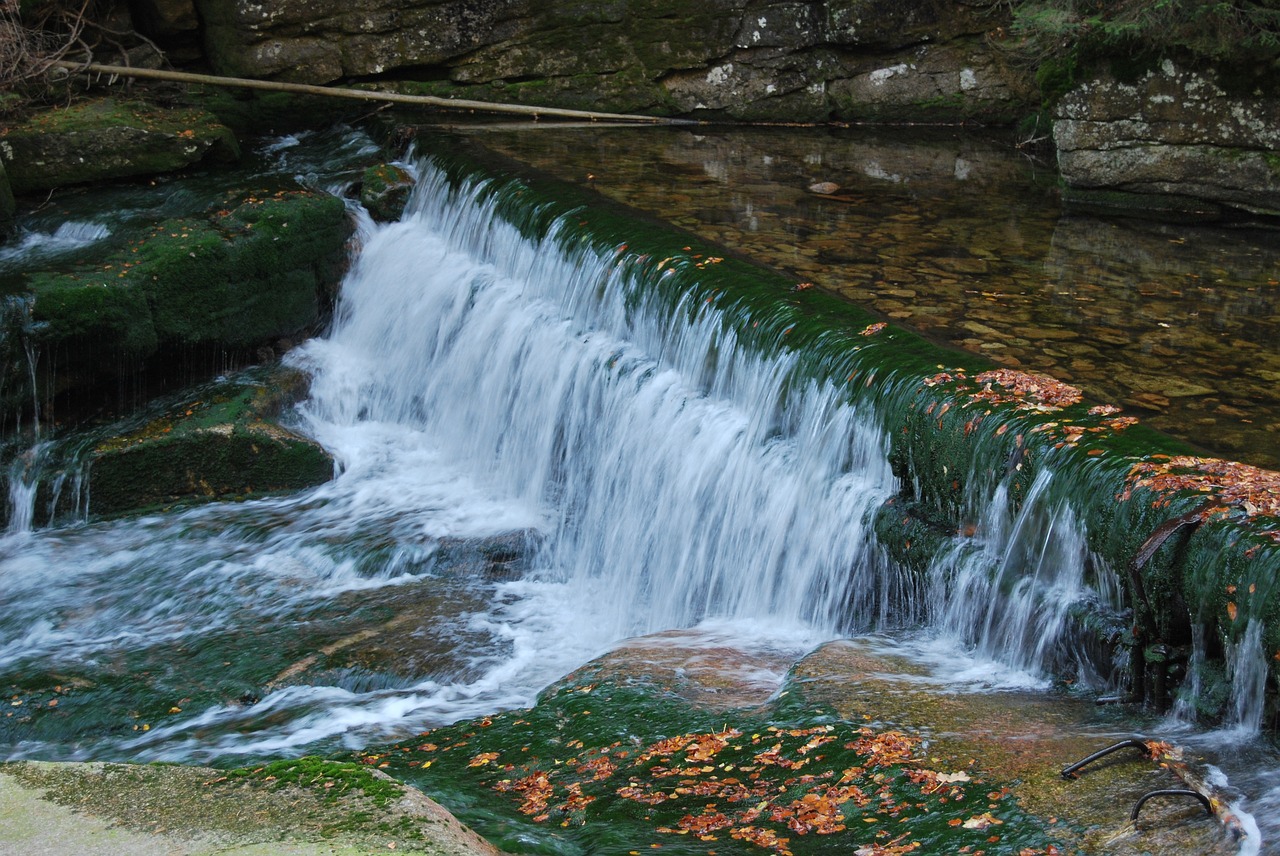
367	95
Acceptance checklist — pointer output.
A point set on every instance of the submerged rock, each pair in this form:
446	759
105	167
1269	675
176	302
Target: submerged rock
684	733
109	138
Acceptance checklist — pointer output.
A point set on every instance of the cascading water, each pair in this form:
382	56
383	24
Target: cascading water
1008	590
24	481
643	443
477	384
474	385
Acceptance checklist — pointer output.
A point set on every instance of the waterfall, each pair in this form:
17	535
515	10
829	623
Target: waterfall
24	480
19	355
669	478
476	384
1247	666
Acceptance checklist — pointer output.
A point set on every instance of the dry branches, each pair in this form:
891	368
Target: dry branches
29	49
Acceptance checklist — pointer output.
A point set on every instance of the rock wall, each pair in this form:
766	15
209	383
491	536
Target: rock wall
1171	132
742	59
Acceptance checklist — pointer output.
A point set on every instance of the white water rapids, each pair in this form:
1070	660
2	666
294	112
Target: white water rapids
475	385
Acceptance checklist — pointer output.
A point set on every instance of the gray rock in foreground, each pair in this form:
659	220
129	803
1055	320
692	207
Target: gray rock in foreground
49	809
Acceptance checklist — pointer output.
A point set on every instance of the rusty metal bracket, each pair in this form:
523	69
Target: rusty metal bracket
1171	792
1069	772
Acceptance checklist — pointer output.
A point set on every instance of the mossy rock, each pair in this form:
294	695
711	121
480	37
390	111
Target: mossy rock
303	806
106	138
263	265
224	444
384	190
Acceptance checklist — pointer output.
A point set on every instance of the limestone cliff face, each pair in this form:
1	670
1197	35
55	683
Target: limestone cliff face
926	60
1172	131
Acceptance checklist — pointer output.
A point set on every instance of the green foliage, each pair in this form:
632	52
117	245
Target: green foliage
1232	31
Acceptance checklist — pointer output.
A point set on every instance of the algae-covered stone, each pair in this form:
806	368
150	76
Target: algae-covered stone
221	445
260	267
106	138
384	190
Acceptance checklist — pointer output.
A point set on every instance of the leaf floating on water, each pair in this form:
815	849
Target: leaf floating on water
872	329
982	821
947	778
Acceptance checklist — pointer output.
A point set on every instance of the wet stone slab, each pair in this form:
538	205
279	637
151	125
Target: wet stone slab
1028	737
684	741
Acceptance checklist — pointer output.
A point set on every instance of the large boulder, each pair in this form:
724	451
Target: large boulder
190	291
1171	131
107	138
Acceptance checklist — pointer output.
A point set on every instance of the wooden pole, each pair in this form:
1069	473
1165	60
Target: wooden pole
365	95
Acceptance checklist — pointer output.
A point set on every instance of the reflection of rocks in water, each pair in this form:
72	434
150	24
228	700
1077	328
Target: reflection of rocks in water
845	163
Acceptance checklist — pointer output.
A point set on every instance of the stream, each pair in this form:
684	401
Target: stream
536	461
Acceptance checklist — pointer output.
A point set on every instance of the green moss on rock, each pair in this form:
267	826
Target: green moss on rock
258	268
958	438
384	190
106	138
221	445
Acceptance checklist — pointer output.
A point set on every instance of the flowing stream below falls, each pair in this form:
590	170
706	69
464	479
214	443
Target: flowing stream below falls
536	462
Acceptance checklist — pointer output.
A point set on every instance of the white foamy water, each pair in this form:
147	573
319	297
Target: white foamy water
32	246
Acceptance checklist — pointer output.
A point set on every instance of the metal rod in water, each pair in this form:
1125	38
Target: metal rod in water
1171	792
1070	771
